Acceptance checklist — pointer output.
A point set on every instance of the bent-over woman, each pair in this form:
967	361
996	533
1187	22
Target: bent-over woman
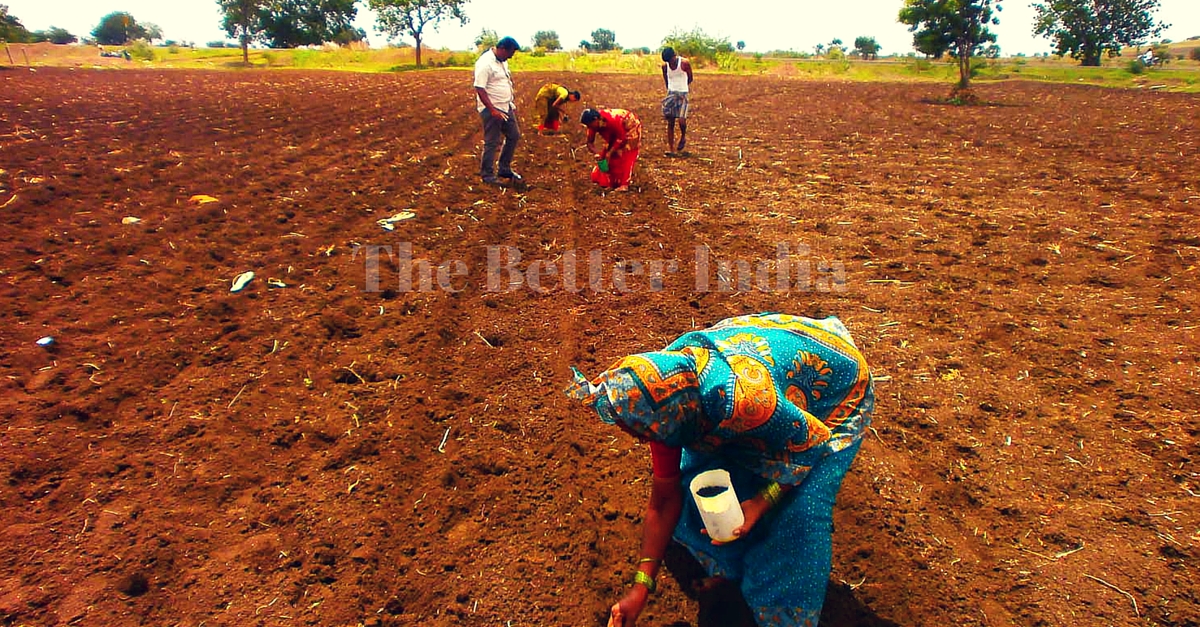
780	402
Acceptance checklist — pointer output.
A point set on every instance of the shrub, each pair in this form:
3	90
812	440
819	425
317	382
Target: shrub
728	61
1194	54
141	50
697	45
1162	53
1137	66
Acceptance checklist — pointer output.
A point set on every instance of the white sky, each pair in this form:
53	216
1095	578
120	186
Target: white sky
764	24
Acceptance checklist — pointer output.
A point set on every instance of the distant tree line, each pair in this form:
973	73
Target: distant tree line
11	30
1082	29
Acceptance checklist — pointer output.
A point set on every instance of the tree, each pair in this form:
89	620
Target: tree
820	49
866	47
54	35
151	32
603	40
117	29
932	43
486	40
1085	29
697	45
292	23
243	20
409	18
960	24
741	45
349	36
546	40
11	28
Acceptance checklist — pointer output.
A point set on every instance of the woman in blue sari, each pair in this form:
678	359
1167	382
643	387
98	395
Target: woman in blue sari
781	402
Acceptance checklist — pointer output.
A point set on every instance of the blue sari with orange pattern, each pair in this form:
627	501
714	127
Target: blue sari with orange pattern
767	397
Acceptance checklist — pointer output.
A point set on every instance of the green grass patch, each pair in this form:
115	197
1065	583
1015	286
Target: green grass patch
1178	75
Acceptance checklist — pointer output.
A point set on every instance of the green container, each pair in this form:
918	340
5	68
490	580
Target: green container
603	165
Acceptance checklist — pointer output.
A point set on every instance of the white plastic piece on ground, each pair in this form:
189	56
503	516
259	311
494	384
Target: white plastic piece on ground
389	224
242	281
130	220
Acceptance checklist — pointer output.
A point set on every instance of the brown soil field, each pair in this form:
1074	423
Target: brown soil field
373	431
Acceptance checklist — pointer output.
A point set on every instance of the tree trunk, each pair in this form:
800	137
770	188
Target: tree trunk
417	37
1091	58
964	67
245	39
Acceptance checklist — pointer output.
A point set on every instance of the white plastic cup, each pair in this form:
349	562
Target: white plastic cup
719	506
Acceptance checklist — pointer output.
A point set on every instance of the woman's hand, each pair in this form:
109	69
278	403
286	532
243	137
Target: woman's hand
752	510
625	612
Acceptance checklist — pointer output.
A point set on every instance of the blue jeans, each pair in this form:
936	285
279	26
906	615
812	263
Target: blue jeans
493	130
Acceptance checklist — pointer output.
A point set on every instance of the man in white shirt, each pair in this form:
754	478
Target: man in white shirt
497	111
677	76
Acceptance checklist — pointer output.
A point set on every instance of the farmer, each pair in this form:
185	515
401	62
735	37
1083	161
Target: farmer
623	132
780	402
497	111
548	106
677	76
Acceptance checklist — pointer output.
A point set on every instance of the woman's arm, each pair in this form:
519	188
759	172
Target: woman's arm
662	514
591	142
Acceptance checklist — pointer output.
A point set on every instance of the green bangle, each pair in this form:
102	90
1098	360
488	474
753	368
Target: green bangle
771	494
645	580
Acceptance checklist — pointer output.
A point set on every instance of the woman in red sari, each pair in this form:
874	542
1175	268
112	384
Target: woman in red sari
623	132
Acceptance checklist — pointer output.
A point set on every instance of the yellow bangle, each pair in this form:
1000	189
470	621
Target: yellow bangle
771	494
645	580
645	560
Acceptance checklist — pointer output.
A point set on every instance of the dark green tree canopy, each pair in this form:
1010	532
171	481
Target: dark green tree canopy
11	29
54	35
603	40
292	23
959	27
117	29
547	40
409	18
866	47
1087	29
